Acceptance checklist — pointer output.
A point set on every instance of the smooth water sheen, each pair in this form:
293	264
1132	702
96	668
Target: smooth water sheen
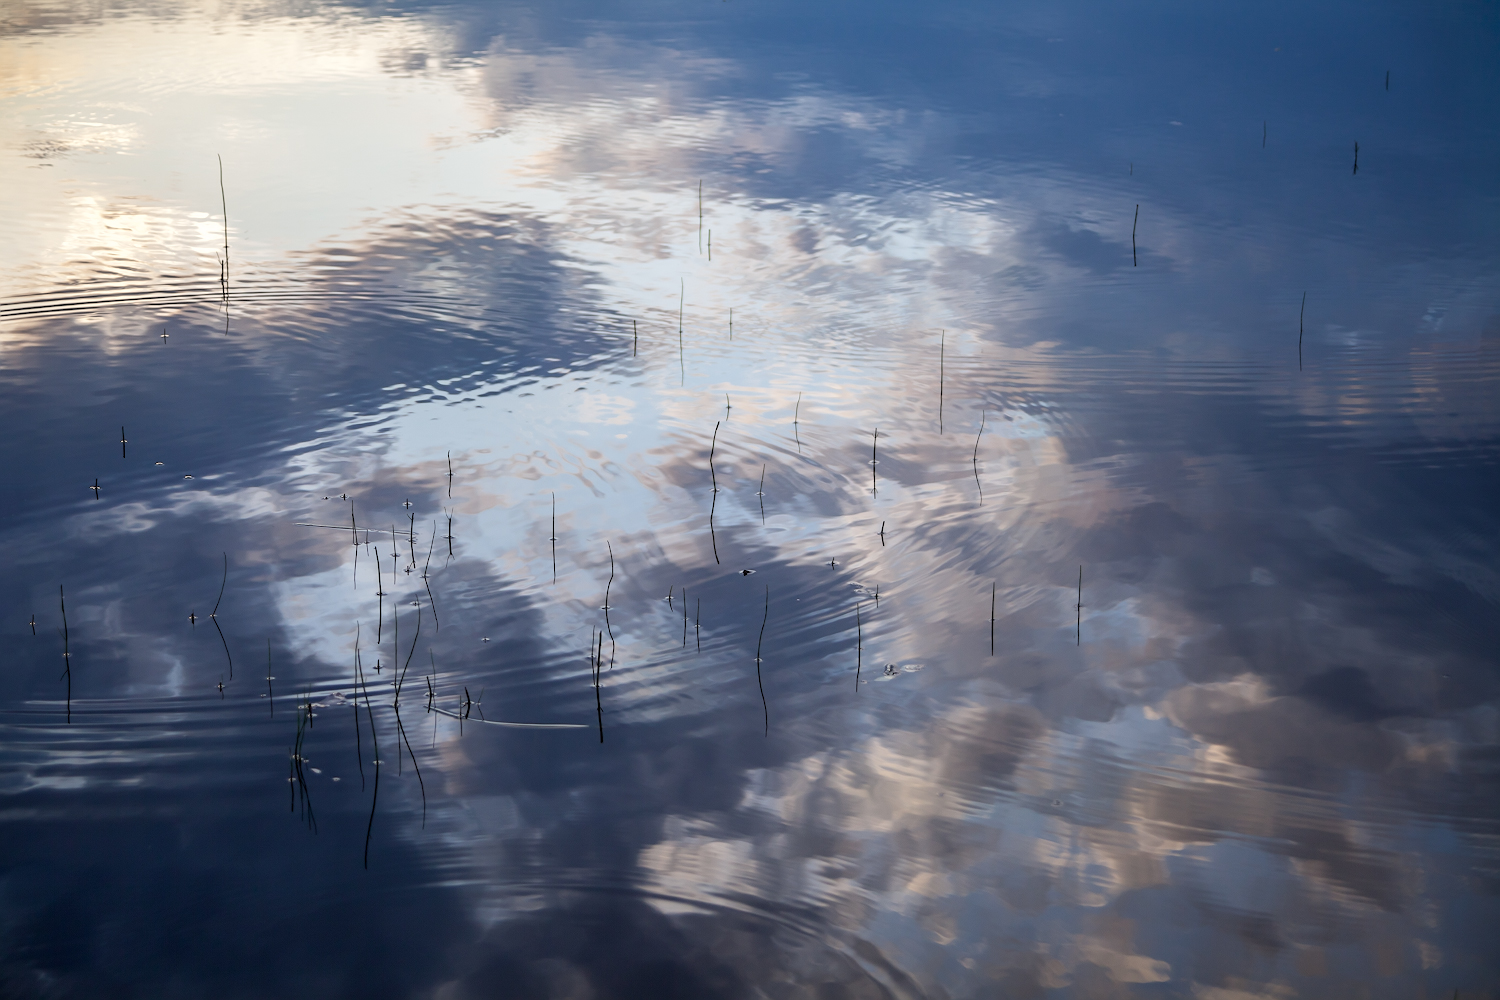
1037	497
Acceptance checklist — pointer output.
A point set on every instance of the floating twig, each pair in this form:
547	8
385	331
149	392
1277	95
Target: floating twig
1356	158
992	617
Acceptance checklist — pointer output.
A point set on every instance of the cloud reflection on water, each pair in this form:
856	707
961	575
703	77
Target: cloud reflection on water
1255	775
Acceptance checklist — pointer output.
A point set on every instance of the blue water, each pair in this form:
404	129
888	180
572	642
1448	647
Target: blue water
975	501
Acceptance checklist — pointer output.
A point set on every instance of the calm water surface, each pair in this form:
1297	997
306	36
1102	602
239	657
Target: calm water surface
993	501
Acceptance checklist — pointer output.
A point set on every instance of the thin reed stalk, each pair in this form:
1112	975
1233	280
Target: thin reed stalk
1300	317
67	674
975	460
359	751
765	708
1079	626
859	647
431	601
214	616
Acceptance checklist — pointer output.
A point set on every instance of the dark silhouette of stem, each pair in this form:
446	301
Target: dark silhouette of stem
67	673
759	683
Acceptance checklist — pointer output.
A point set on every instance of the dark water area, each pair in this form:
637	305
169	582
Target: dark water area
1024	526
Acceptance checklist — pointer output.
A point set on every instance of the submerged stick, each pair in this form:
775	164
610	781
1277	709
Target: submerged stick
122	442
874	444
992	618
635	344
554	537
681	298
763	706
1356	157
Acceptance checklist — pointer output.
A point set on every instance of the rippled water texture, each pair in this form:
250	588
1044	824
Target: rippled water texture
988	499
